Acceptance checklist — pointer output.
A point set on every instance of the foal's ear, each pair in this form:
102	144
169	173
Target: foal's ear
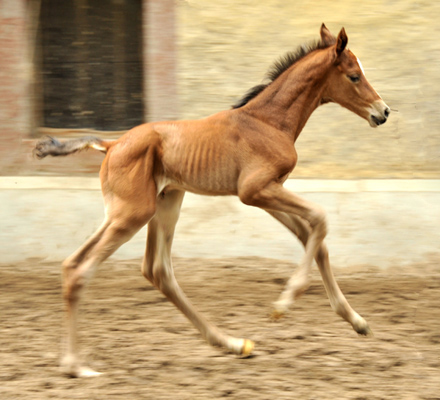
341	42
326	36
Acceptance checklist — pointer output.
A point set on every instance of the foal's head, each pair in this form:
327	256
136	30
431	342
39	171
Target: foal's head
347	84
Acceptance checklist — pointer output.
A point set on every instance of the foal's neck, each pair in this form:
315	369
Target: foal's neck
288	102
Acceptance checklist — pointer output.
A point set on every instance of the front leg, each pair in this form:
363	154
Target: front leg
337	299
274	198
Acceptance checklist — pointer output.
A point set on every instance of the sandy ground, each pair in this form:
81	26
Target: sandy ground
148	350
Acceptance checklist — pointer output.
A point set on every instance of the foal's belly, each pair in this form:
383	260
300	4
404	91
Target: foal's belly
209	181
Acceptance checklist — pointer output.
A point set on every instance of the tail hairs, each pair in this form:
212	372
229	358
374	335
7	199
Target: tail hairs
50	146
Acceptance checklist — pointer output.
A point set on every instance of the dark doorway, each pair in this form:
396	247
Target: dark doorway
91	63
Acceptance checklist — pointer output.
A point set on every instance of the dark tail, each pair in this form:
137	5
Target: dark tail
50	146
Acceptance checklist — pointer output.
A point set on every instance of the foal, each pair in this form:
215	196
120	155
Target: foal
248	151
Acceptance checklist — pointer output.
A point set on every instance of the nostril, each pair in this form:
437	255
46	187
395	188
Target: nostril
387	112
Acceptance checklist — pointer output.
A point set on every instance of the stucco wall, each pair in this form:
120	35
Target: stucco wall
14	81
378	223
226	47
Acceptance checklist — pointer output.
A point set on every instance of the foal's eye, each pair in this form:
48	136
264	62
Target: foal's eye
354	78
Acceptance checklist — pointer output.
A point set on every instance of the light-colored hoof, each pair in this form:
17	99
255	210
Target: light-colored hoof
76	371
85	372
276	315
248	347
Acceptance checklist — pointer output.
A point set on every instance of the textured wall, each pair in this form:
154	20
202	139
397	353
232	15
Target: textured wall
50	218
226	47
159	45
14	80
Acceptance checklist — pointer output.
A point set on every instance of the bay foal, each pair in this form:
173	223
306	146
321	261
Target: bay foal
248	151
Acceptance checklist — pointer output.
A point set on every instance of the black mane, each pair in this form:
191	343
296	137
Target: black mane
280	66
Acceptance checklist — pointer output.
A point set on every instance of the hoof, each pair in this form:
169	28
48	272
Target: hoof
248	347
85	372
276	315
365	331
77	371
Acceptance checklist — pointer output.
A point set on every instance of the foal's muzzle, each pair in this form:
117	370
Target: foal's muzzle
379	113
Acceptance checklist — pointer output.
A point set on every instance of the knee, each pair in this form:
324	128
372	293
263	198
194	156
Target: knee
318	221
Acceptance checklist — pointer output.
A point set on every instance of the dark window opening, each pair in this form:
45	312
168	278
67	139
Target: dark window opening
92	63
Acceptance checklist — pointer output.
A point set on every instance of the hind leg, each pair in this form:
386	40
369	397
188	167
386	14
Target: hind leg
81	253
121	224
157	268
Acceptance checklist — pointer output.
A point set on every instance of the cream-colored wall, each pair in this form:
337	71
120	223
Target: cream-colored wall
226	47
15	110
